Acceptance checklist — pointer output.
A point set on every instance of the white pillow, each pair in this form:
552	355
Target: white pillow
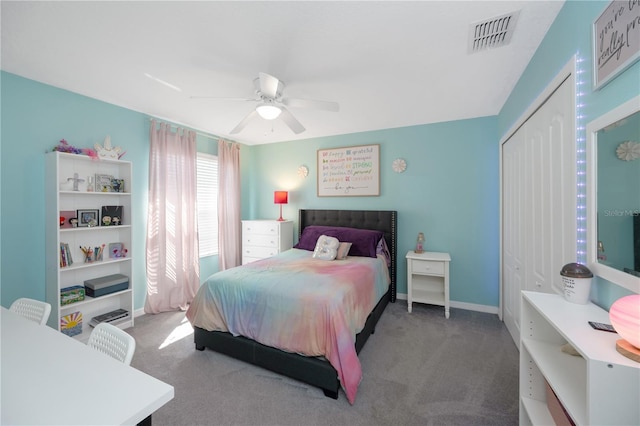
343	251
326	248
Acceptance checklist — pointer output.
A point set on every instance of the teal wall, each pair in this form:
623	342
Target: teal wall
570	35
450	189
34	118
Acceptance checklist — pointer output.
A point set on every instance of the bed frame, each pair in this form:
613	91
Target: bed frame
312	370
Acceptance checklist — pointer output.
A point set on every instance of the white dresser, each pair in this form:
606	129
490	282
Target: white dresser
265	238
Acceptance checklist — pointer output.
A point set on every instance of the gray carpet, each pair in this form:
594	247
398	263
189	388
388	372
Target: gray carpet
419	369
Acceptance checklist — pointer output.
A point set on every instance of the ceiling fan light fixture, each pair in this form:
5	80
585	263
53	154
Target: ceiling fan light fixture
268	111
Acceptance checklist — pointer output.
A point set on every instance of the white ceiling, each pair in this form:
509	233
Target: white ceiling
387	63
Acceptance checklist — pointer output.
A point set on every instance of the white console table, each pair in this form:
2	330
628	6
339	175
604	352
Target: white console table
599	387
50	378
428	279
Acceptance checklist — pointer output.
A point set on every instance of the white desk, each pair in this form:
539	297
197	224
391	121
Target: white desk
49	378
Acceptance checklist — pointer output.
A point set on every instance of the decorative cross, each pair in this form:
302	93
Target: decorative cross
76	180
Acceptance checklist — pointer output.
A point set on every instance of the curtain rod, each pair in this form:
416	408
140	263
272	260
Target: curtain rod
213	137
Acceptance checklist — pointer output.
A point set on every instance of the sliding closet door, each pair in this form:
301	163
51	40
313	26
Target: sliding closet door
539	202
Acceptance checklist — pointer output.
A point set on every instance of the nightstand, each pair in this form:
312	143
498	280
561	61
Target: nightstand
428	279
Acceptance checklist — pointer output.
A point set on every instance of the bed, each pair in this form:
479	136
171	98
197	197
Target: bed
315	370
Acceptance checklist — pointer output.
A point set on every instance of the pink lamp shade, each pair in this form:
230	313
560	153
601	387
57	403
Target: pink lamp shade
280	197
624	315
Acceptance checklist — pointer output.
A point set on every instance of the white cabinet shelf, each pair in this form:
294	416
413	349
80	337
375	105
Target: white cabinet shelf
106	261
428	279
59	168
599	387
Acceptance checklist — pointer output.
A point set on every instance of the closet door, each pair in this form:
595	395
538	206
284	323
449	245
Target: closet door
551	216
513	219
538	202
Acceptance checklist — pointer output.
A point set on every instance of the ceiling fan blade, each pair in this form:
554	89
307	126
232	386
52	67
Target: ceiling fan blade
268	85
244	122
308	103
291	121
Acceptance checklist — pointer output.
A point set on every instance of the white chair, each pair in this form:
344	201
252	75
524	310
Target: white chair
111	340
32	309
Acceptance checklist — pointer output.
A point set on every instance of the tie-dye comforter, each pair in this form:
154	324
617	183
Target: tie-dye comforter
298	304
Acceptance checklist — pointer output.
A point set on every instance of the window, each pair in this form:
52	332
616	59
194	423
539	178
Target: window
207	203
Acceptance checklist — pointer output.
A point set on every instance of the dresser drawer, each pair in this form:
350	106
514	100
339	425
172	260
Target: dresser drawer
427	267
258	252
258	227
260	240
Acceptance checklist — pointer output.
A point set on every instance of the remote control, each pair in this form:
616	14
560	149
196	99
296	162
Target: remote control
602	327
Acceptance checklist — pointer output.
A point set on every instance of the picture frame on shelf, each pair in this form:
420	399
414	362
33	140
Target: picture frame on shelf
116	250
117	185
65	218
111	216
103	183
88	217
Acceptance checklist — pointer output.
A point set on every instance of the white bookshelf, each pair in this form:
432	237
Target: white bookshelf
58	198
600	387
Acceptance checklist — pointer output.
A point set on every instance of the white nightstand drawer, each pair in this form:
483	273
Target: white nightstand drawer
427	267
260	240
260	227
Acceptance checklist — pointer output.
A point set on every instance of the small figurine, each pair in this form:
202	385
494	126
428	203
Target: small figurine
76	180
116	221
105	151
106	220
74	222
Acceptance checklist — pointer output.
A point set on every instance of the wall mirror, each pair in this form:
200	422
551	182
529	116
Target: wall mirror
613	195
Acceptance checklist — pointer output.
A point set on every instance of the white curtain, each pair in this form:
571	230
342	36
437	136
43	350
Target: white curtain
229	224
173	269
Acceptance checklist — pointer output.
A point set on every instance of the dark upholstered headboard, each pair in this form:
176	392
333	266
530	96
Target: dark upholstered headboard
380	220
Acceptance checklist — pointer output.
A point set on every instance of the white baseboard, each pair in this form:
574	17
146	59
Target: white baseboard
138	312
463	305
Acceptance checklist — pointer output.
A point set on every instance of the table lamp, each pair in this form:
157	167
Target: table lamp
280	197
624	315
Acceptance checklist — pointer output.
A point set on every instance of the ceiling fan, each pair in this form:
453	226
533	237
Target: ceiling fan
271	105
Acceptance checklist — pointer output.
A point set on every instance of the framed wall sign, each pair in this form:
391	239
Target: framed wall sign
353	171
616	40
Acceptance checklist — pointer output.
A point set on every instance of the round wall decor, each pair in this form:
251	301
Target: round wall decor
399	165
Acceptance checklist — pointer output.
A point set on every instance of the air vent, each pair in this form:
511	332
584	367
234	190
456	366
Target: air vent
492	33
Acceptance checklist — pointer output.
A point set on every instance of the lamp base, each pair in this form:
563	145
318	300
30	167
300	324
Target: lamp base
628	350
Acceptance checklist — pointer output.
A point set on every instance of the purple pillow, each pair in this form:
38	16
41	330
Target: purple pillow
364	242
